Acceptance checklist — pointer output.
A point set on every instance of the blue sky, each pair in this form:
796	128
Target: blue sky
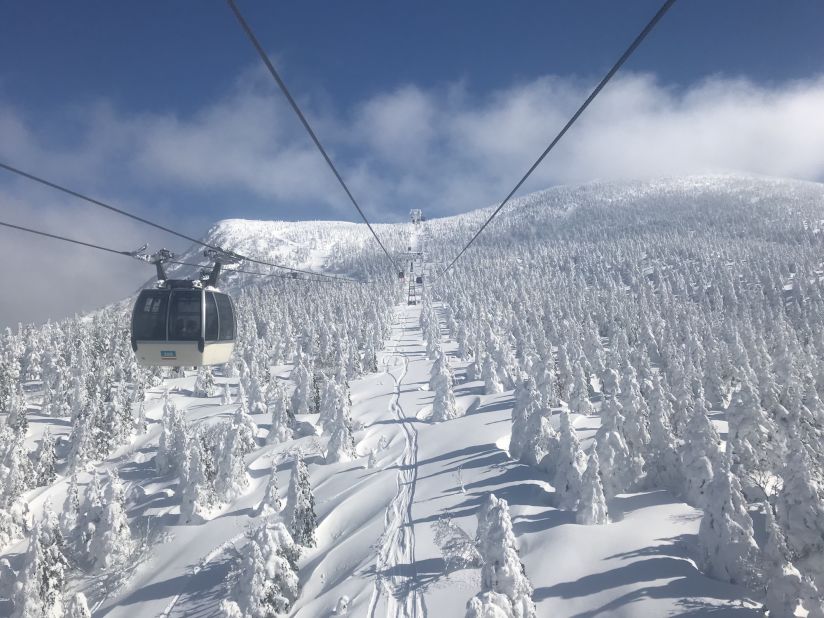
162	107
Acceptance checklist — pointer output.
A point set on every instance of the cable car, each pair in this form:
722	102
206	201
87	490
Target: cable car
400	274
419	279
183	323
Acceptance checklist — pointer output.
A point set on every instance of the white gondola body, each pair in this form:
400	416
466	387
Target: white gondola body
183	326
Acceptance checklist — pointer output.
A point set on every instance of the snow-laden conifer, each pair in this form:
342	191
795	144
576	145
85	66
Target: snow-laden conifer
700	453
195	492
78	607
42	581
443	403
300	505
204	383
111	542
800	506
727	549
663	464
172	444
44	458
301	396
489	376
280	430
752	436
525	405
592	506
625	468
271	504
541	446
70	512
341	445
267	580
489	605
784	585
329	404
579	402
231	478
570	465
501	569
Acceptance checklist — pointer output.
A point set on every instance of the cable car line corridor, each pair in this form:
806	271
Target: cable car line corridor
396	592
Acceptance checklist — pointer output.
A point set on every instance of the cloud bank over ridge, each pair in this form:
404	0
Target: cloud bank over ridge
445	149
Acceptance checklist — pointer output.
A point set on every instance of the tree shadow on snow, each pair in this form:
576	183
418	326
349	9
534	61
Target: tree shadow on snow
463	391
516	486
621	505
549	518
682	586
495	406
417	575
152	592
698	594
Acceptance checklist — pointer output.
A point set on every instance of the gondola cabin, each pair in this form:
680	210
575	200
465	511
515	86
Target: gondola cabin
419	279
183	325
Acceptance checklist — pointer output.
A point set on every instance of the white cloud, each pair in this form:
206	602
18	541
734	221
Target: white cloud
444	149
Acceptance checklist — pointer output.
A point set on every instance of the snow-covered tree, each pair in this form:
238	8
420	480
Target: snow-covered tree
443	403
752	434
662	462
784	584
267	580
301	397
502	571
70	512
579	392
204	383
330	401
570	464
526	404
90	514
271	504
257	395
280	430
44	468
370	357
700	453
15	475
489	605
300	505
231	478
196	495
489	376
727	549
78	607
459	549
592	506
800	506
541	446
173	438
111	543
42	581
625	468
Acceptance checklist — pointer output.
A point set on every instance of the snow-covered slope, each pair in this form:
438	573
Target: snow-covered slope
603	273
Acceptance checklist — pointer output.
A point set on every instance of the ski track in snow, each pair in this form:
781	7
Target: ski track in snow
395	573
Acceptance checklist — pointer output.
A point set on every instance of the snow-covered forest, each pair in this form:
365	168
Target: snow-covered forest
611	405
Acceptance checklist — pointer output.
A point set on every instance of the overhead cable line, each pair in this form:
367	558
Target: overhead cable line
158	226
64	238
282	85
133	253
252	272
629	51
